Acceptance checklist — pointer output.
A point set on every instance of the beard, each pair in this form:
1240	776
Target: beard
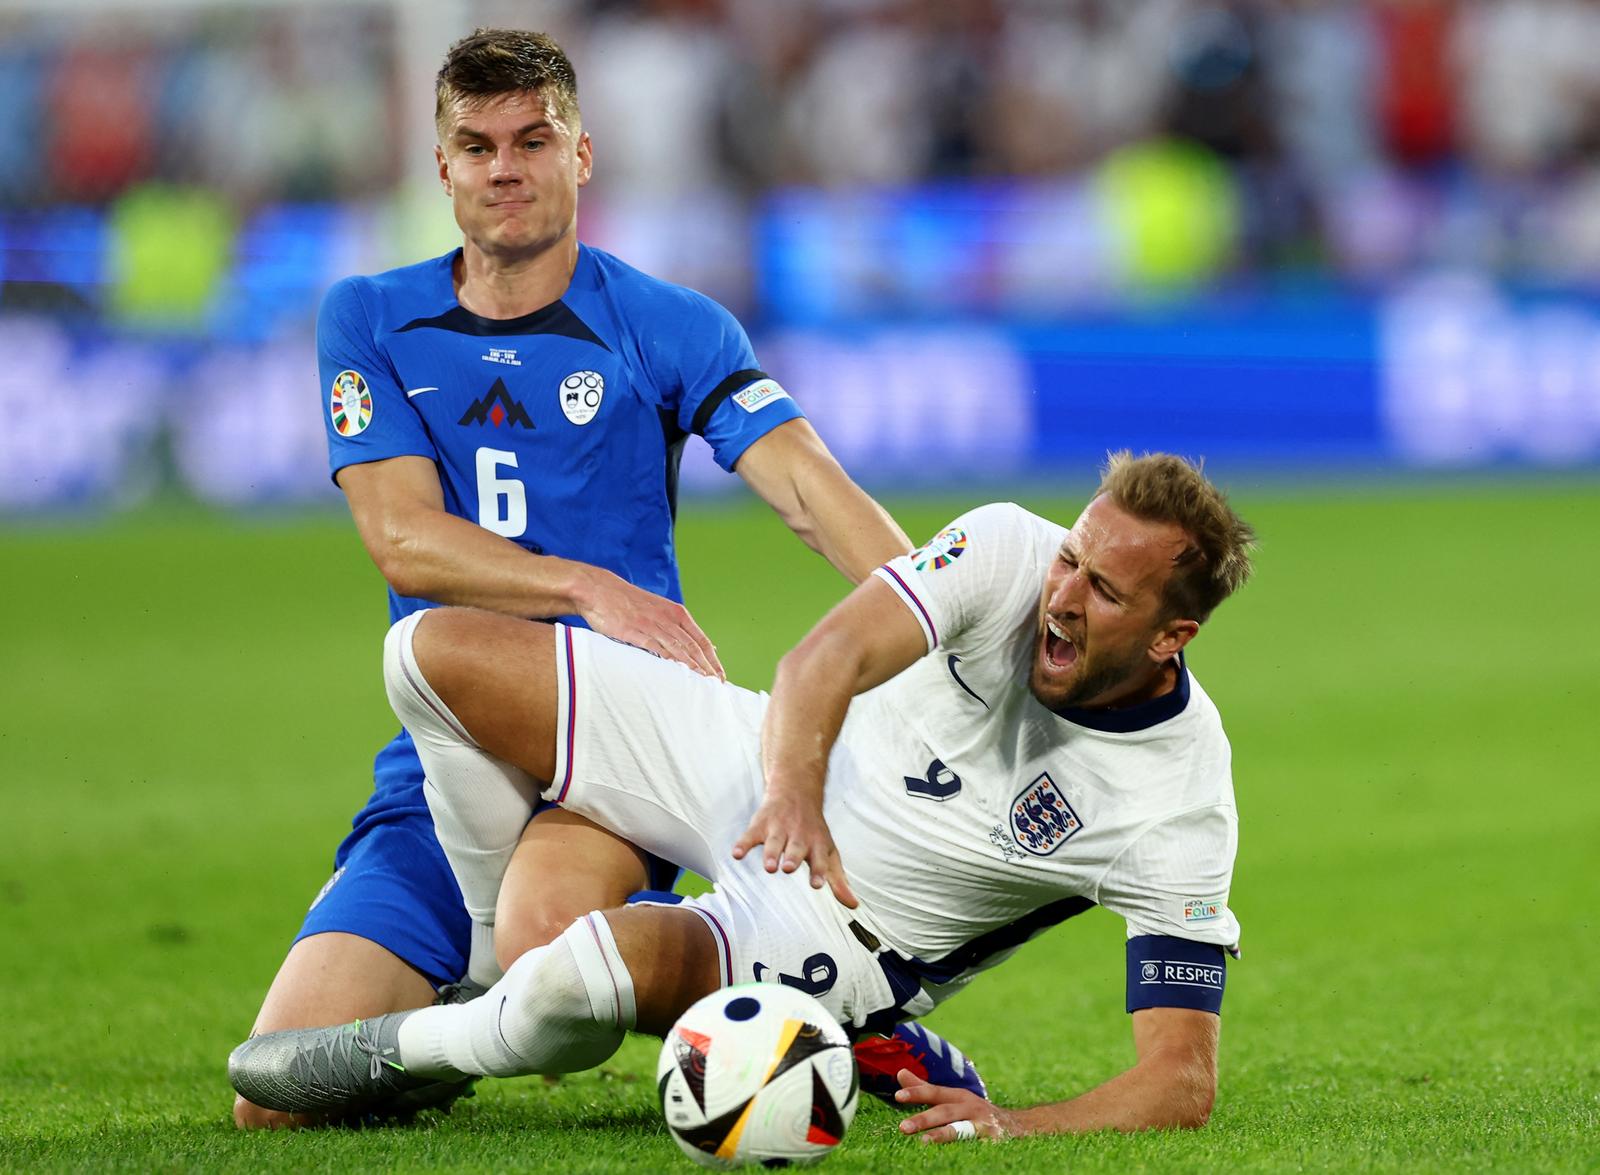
1096	676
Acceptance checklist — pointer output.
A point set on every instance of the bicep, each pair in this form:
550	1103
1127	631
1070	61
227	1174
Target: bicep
872	631
776	464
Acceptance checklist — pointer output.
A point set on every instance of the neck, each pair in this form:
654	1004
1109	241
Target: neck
1162	680
509	285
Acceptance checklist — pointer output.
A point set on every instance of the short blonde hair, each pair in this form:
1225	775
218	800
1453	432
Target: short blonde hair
1215	563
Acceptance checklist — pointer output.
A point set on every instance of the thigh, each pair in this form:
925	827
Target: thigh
564	867
496	675
775	928
664	757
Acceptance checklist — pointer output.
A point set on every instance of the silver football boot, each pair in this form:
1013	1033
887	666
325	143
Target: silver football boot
342	1071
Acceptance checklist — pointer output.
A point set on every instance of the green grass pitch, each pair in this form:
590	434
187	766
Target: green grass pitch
189	704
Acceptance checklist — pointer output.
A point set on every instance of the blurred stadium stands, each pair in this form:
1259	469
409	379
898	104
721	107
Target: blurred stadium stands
982	239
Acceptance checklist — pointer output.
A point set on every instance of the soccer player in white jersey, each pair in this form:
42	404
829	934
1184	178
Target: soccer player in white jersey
1009	735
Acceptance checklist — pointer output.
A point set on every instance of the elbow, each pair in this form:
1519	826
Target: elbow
395	554
1193	1100
823	651
1180	1097
1194	1118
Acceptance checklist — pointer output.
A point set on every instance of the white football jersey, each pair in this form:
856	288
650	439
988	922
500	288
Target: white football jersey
1004	816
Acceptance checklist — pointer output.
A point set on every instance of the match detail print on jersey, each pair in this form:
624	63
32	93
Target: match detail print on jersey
941	550
350	403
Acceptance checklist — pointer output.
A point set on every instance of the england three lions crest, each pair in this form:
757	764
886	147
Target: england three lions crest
1041	819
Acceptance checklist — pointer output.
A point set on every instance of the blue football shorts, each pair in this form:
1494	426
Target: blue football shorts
392	884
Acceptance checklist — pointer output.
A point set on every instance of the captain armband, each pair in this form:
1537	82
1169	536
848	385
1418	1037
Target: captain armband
1166	972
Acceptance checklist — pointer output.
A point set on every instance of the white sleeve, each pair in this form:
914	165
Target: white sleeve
971	569
1174	878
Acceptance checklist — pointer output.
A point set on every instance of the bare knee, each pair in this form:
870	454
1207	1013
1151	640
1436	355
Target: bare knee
564	867
530	930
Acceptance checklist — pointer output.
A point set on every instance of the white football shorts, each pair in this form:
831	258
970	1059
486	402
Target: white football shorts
670	760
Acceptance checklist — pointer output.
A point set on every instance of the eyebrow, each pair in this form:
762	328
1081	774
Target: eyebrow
464	132
1105	584
1095	577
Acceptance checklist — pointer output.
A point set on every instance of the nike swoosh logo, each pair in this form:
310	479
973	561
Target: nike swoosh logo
951	664
418	391
499	1015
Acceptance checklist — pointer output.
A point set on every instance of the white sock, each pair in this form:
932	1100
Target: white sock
482	966
562	1007
480	804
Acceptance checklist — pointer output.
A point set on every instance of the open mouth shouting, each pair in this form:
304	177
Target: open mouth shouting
1059	652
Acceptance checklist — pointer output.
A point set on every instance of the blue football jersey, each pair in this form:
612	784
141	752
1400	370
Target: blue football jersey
560	430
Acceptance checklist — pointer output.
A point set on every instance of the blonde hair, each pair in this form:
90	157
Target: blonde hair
1215	563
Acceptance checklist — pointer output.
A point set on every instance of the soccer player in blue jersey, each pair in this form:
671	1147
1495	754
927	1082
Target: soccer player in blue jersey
506	422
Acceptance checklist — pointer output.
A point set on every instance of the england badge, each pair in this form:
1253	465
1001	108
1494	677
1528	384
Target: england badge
1041	819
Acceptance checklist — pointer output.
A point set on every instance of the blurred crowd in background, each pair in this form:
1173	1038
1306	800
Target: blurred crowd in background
1175	141
1343	231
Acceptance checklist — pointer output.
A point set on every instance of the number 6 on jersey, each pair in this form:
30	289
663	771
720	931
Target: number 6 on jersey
513	519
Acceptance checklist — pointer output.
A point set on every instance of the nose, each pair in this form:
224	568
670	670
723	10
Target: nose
507	167
1066	594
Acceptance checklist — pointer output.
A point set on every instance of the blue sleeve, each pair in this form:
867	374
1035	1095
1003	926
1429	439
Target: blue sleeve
1166	972
364	407
724	396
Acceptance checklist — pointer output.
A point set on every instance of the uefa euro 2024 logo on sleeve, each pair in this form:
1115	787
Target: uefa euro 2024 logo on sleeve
941	550
350	403
1041	819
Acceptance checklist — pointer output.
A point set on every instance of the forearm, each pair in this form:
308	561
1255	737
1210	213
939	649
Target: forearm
842	523
1150	1096
796	475
811	693
438	556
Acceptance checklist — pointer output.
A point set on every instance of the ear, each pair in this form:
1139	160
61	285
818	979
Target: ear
585	158
1171	638
444	170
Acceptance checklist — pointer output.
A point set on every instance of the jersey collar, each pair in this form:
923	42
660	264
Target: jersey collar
557	318
1134	718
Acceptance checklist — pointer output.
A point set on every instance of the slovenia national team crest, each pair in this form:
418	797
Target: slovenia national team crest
1041	819
350	403
581	393
941	550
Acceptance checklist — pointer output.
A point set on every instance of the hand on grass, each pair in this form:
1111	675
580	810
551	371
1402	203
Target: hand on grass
948	1105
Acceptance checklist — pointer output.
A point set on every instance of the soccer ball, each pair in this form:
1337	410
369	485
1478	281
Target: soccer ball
758	1073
